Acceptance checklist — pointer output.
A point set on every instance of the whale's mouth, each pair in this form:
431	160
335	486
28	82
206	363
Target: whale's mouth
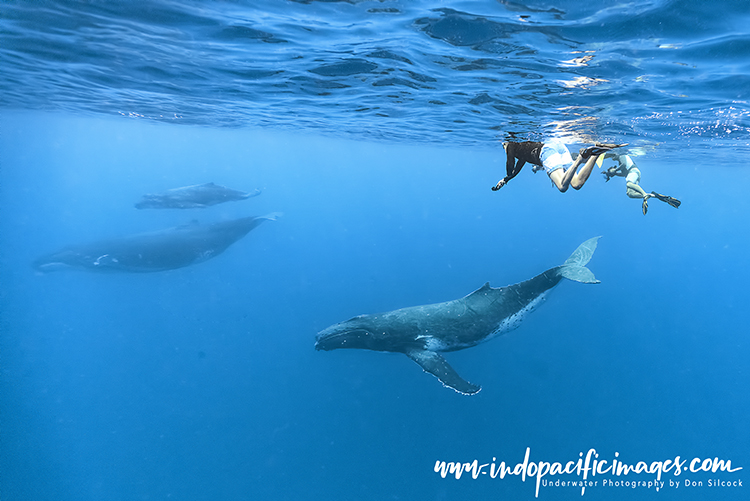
336	339
329	341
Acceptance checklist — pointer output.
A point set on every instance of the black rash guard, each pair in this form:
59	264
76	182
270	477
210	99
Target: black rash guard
528	151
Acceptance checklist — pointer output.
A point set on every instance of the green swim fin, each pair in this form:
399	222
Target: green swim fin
665	198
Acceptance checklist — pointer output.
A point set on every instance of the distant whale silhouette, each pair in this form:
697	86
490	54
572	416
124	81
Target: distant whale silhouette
155	251
420	332
198	196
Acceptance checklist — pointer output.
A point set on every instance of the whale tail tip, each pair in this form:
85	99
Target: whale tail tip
574	268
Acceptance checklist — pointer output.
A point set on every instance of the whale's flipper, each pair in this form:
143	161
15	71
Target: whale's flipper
436	365
574	268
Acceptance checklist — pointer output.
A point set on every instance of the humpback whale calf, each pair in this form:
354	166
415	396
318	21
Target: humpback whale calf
155	251
198	196
420	332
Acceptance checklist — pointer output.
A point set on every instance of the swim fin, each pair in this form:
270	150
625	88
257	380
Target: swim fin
599	148
645	206
665	198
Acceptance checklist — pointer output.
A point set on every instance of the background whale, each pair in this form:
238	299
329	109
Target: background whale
154	251
193	197
420	332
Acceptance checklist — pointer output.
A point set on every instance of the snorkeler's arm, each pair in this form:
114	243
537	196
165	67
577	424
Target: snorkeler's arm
512	167
511	173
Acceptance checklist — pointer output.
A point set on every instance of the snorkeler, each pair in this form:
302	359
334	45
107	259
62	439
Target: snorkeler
626	168
554	158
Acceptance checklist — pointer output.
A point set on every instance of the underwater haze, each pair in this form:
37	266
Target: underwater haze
373	129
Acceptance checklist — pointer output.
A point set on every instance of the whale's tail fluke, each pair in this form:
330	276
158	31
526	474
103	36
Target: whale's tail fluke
574	268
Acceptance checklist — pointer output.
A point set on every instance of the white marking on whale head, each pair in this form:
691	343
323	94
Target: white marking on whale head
99	259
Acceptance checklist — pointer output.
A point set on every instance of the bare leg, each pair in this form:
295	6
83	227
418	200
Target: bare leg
579	179
635	191
557	176
562	178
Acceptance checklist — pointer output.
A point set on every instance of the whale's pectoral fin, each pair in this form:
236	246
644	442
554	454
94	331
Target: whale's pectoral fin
436	365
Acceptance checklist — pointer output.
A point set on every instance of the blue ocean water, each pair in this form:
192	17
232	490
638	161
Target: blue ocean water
375	128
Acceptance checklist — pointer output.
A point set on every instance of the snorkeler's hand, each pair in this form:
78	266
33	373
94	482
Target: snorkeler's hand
499	185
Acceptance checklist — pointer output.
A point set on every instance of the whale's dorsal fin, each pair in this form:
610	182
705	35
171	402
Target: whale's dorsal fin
482	290
436	365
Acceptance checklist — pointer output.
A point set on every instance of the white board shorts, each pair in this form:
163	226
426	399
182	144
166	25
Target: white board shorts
555	155
634	176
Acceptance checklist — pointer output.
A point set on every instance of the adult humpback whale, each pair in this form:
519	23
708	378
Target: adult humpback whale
155	251
198	196
420	332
